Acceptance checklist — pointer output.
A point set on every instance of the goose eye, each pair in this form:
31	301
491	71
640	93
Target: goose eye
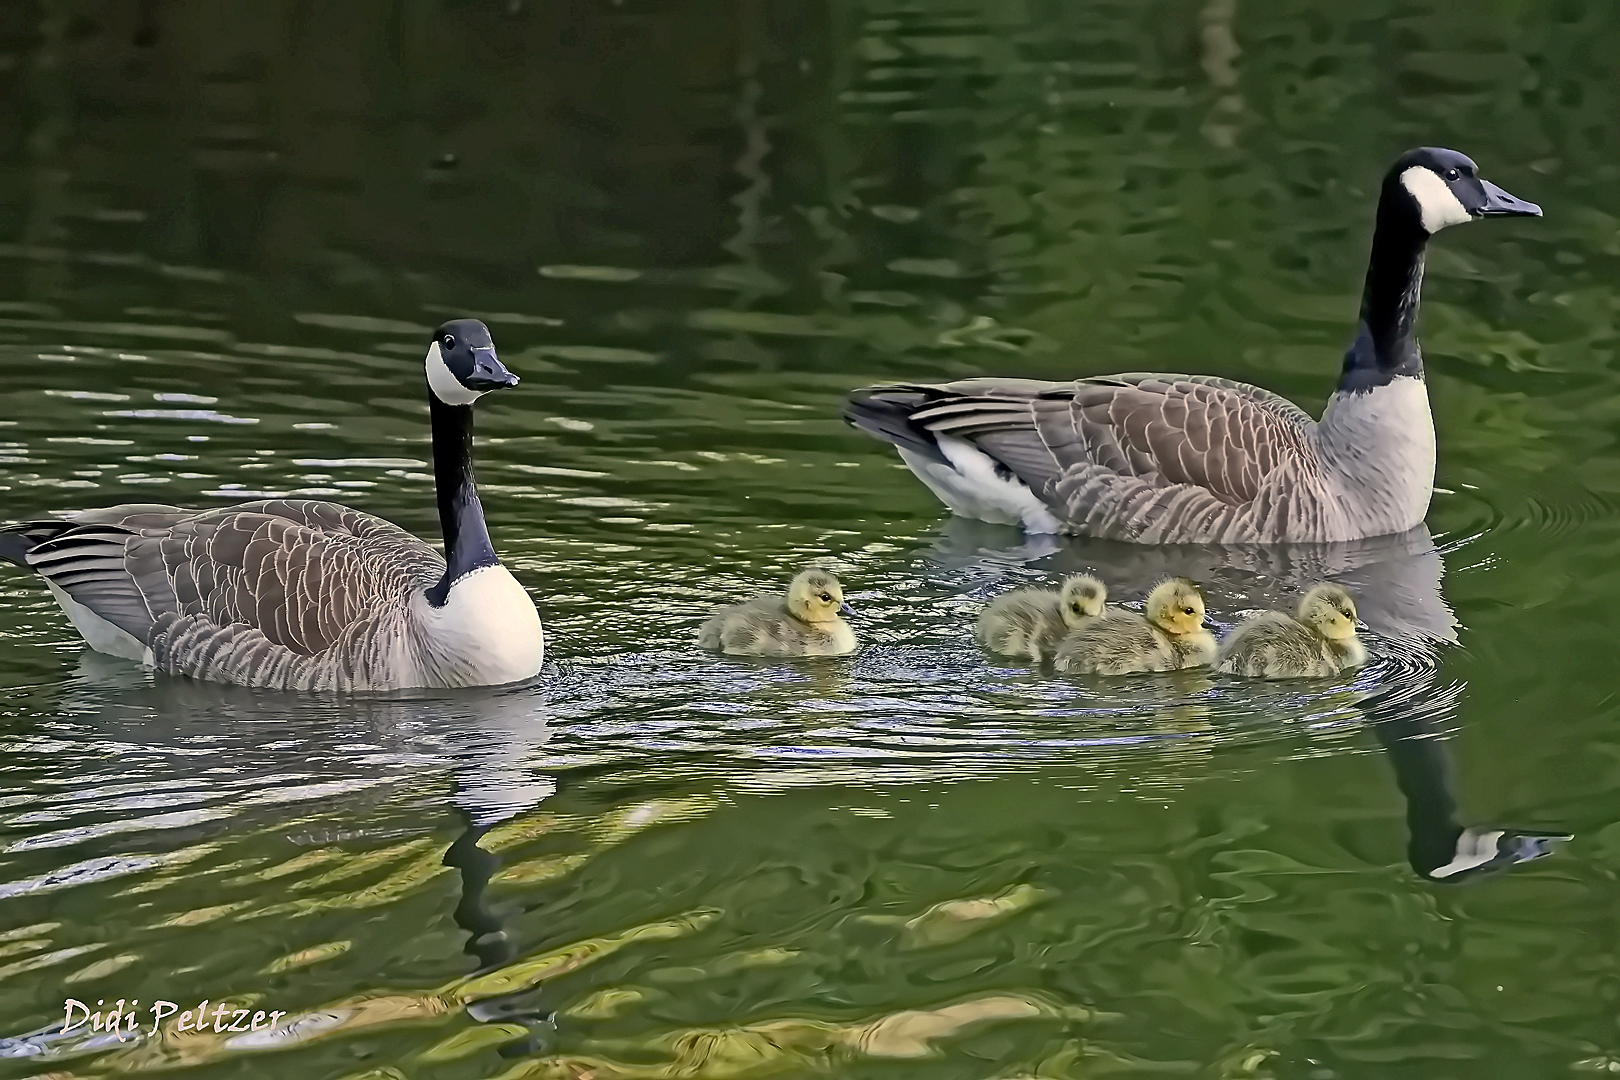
449	342
1452	174
825	599
1187	610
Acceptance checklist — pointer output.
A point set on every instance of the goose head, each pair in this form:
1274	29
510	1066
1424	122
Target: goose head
815	596
1437	188
1330	611
1081	598
1176	606
461	363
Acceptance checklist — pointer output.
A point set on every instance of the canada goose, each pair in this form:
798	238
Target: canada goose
1030	622
1161	459
1172	636
1318	642
303	595
805	622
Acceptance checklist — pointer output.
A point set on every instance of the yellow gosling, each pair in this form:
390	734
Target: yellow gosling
805	622
1170	637
1029	623
1318	642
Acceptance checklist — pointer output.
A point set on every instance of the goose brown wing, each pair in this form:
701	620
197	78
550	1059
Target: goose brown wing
300	572
1216	435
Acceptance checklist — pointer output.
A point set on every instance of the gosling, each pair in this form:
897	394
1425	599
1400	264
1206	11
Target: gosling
1030	622
1320	641
805	622
1171	637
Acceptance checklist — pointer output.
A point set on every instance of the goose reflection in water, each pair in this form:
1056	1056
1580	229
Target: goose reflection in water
492	754
345	763
1396	583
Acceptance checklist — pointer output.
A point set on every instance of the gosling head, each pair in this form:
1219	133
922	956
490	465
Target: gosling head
1435	188
1329	610
815	596
1176	606
1081	598
461	364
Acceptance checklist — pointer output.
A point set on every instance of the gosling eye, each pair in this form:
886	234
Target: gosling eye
1187	611
826	599
449	342
1452	174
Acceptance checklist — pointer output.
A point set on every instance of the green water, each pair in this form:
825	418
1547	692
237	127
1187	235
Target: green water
692	226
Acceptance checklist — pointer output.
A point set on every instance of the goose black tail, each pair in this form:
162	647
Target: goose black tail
19	538
885	412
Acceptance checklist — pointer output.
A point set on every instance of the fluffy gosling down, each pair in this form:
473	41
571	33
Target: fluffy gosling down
1029	623
1172	636
805	622
1317	642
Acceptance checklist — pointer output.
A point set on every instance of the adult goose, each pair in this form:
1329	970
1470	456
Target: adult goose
303	595
1160	459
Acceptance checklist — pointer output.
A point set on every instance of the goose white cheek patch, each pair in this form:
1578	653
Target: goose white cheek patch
1435	200
445	386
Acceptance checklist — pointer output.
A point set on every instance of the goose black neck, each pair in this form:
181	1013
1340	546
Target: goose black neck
1386	343
461	515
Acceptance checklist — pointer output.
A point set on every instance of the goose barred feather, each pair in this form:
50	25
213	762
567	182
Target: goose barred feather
290	594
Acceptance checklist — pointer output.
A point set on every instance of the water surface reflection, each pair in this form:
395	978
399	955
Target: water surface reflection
692	226
213	792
